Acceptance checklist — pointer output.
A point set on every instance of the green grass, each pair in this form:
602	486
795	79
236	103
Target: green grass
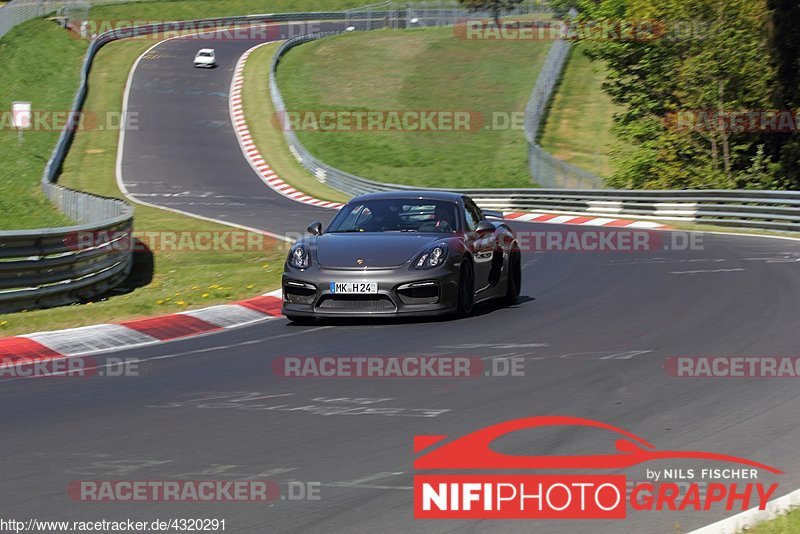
426	69
40	64
195	9
260	113
182	280
578	126
784	524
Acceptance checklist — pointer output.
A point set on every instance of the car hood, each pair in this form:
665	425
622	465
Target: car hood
378	250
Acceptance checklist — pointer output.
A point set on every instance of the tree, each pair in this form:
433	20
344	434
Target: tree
784	42
709	57
495	7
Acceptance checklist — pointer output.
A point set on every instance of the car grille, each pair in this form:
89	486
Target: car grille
356	303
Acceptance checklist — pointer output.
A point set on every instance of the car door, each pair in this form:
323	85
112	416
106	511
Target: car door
482	246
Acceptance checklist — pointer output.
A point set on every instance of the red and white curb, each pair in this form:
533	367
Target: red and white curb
250	150
85	340
581	220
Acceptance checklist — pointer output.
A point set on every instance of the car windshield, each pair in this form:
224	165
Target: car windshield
397	215
205	54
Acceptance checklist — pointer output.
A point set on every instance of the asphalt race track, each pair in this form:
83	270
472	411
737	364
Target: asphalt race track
594	330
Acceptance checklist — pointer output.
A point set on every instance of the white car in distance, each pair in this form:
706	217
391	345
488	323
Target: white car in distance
205	57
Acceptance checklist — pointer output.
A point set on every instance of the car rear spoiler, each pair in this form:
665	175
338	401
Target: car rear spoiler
492	214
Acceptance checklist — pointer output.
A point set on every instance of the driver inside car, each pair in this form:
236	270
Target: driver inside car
443	216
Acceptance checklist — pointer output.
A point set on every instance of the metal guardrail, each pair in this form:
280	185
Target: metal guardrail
773	210
55	266
776	210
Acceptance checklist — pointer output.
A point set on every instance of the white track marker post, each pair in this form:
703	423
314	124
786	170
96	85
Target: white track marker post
21	117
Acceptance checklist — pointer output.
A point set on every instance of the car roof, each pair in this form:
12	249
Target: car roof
411	195
205	50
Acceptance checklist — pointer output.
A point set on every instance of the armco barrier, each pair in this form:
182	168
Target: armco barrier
776	210
50	267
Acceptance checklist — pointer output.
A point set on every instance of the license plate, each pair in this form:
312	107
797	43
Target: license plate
354	288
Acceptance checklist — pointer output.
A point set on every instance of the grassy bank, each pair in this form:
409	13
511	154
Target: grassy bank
785	524
267	136
578	127
181	279
40	64
418	70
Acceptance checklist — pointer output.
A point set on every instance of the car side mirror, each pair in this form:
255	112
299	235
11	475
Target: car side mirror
485	227
315	228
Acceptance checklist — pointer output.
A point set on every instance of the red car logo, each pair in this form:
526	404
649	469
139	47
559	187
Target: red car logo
474	451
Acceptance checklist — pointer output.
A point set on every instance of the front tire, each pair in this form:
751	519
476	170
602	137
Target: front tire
466	289
514	285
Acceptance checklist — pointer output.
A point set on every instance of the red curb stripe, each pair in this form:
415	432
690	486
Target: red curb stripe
13	349
618	223
545	217
171	326
264	304
579	220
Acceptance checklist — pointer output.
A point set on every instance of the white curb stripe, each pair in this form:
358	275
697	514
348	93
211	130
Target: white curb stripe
228	315
561	219
90	339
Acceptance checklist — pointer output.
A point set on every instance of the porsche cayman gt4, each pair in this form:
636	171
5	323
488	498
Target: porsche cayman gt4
402	253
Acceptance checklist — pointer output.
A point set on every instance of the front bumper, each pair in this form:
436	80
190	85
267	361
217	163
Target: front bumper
401	292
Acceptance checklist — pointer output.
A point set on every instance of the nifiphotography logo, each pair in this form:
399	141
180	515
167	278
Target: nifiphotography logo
493	495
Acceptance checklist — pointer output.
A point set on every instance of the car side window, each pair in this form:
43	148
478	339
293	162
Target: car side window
472	215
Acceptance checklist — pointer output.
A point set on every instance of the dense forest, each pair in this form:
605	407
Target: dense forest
710	89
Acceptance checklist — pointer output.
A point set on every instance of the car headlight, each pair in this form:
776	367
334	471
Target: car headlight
299	257
433	257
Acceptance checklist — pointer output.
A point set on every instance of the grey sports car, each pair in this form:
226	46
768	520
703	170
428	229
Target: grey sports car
402	253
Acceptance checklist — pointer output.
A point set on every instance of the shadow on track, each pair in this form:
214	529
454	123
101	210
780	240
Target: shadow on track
480	310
